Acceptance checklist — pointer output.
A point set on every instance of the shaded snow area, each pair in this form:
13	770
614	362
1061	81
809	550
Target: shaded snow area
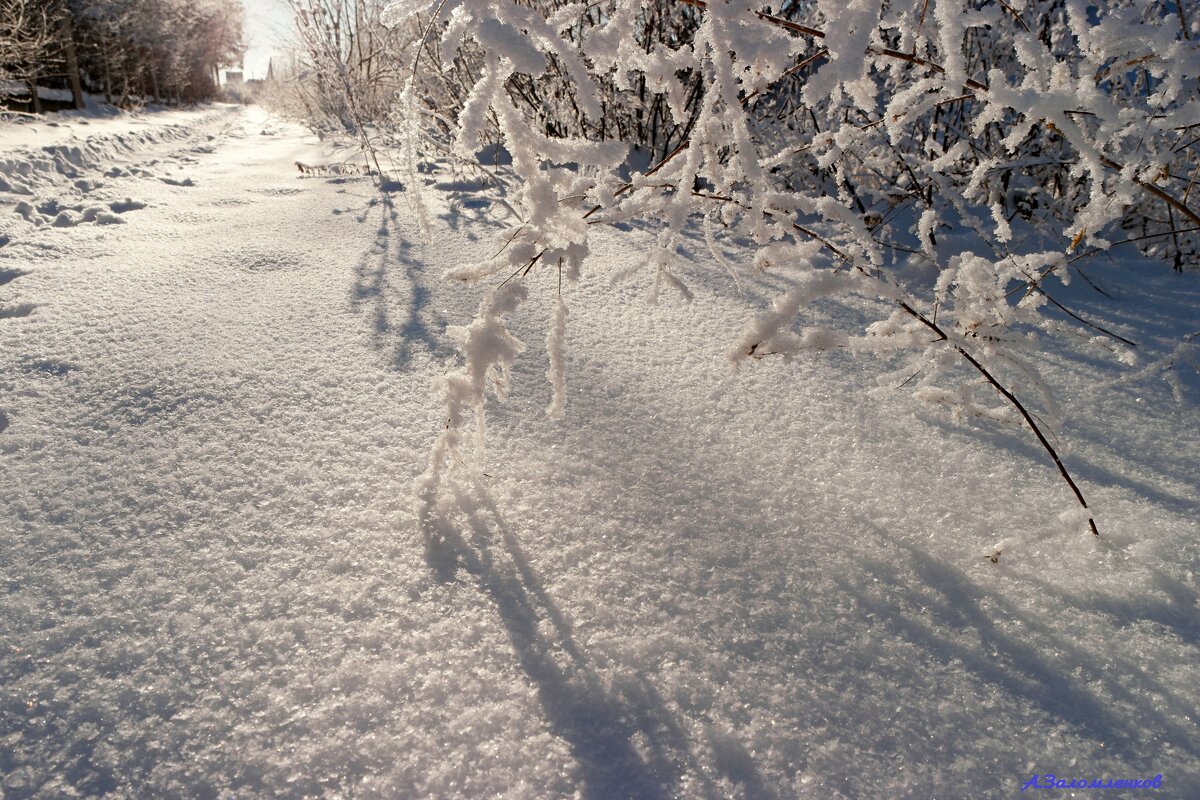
774	584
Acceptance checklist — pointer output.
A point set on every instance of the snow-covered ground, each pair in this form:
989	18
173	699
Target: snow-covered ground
696	584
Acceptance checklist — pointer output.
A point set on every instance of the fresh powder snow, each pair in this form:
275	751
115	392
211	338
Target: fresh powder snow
218	396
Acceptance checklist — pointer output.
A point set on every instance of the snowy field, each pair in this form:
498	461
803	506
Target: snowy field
217	388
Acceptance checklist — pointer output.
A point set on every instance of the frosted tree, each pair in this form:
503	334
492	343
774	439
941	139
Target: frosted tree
845	138
353	65
127	50
28	45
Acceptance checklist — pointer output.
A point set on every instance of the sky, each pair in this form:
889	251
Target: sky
268	28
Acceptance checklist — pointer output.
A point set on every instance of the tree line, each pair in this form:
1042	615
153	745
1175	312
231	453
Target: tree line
128	51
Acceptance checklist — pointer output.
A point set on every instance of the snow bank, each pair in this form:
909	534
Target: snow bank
76	150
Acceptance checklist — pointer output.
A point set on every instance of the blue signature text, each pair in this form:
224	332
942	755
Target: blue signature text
1054	782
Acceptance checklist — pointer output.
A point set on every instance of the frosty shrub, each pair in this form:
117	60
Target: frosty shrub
943	159
352	64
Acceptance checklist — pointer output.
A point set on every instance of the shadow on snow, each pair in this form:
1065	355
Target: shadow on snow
624	739
389	286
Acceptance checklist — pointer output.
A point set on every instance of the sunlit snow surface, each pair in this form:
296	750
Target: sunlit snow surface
695	584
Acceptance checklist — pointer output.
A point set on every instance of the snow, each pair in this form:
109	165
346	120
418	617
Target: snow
774	583
20	89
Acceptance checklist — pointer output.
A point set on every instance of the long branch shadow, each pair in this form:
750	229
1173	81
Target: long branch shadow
625	741
1020	441
1042	666
396	302
1179	611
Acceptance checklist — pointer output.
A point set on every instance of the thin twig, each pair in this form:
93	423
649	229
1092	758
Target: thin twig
524	267
1075	316
791	71
1016	16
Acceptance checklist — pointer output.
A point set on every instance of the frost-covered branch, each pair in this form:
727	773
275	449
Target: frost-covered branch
856	144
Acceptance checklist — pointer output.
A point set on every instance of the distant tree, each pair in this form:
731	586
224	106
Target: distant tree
127	50
28	42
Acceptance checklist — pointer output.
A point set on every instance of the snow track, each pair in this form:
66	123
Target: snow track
695	585
37	156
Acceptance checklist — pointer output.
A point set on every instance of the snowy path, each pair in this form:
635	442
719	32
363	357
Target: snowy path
697	585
